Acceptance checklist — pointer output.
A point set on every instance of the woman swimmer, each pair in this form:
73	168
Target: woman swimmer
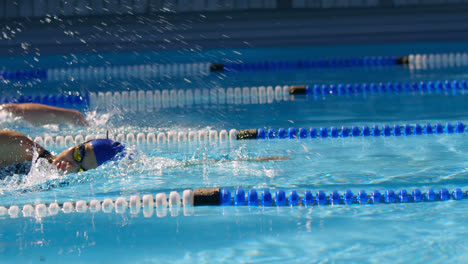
18	149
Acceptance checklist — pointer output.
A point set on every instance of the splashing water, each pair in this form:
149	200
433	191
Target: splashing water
158	168
9	120
100	120
41	173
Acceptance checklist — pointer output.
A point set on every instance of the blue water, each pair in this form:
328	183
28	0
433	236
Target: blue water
424	232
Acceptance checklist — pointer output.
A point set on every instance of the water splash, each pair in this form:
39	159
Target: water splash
8	119
41	174
99	120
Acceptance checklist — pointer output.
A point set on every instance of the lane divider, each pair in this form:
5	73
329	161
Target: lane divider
153	100
293	65
423	87
142	71
353	131
142	138
214	136
161	203
414	61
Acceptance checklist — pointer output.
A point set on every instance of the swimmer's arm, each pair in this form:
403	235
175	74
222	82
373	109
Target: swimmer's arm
17	148
256	159
263	159
38	114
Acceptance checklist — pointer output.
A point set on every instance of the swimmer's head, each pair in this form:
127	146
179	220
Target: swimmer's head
106	149
88	155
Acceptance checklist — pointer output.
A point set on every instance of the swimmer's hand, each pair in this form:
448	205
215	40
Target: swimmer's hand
38	114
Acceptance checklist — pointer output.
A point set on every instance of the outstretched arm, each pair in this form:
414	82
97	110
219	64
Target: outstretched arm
264	159
38	114
16	147
255	159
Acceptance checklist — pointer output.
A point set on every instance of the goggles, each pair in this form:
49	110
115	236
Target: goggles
78	155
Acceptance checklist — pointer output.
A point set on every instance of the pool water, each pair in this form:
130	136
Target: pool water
430	232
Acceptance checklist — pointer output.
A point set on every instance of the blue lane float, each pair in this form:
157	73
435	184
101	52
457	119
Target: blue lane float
320	198
389	196
362	197
252	198
280	198
308	198
376	197
334	198
293	198
239	197
266	199
348	197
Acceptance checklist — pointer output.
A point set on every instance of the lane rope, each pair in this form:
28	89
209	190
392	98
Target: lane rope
414	61
154	70
215	136
223	197
179	98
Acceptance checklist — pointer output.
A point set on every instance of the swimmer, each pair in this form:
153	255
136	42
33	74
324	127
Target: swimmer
38	114
17	151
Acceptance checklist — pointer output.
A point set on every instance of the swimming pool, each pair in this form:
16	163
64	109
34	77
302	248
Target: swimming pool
370	232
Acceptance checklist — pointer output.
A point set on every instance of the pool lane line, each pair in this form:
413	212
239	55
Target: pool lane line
310	64
422	87
223	197
135	71
153	100
140	101
414	61
154	70
215	136
353	131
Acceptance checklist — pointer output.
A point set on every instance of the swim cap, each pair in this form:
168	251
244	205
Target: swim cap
106	149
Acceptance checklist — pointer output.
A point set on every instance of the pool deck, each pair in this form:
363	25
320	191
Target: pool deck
240	29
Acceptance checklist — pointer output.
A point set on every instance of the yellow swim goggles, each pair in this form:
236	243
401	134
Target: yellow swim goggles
78	155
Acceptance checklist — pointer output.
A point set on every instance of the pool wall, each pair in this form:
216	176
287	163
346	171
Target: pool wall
40	8
242	26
